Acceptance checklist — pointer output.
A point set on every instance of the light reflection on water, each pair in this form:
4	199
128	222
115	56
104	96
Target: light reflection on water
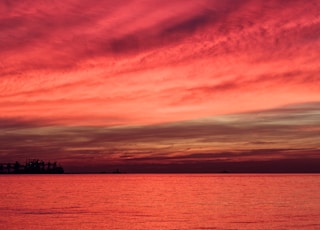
162	201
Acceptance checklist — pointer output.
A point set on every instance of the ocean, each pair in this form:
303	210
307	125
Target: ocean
160	201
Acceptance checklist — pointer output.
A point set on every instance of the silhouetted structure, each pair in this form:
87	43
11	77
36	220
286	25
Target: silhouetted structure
117	171
33	166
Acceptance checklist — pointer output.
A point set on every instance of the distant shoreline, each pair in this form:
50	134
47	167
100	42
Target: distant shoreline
232	173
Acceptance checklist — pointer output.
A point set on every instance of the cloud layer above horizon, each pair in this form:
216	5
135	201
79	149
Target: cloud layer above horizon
87	66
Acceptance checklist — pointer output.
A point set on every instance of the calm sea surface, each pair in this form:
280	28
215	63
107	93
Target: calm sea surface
162	201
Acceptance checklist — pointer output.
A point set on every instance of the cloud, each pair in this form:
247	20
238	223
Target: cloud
283	133
136	79
71	35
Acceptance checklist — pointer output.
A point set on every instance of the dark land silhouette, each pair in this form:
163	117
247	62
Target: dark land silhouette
33	166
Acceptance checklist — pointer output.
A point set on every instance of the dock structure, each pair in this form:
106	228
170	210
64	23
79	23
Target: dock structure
32	166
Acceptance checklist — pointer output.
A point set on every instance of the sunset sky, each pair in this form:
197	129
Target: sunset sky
161	86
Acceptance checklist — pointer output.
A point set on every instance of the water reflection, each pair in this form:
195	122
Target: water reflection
147	201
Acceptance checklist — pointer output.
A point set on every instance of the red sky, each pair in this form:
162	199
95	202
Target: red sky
161	85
